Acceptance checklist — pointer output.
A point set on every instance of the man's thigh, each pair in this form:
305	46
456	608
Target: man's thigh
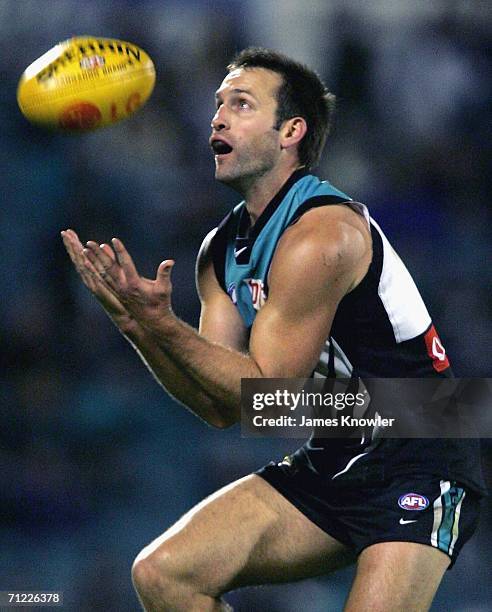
246	533
395	576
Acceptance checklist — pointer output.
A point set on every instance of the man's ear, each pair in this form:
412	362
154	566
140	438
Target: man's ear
292	132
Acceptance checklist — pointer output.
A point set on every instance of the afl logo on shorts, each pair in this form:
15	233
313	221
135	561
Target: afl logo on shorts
413	501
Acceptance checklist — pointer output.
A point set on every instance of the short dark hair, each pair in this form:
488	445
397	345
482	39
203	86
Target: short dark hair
301	94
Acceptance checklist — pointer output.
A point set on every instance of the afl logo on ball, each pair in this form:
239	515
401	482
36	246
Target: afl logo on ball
94	61
413	501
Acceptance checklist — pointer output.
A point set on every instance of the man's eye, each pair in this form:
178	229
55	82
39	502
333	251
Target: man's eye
243	104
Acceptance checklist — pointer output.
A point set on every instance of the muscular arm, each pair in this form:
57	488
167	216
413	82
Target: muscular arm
220	326
173	378
317	262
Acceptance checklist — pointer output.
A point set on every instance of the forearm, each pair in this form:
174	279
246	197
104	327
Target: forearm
173	378
187	356
216	369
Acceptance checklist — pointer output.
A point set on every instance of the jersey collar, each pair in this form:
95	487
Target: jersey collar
246	235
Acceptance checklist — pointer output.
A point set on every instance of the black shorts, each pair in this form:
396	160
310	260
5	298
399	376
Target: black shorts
423	508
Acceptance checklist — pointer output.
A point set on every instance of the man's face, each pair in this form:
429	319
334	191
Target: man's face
245	143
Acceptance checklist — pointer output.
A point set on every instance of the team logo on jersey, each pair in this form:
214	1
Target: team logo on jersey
232	293
436	350
257	289
413	501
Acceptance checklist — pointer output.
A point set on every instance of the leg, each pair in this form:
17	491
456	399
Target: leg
395	576
246	533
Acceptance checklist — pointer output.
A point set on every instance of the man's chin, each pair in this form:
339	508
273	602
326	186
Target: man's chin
226	177
234	177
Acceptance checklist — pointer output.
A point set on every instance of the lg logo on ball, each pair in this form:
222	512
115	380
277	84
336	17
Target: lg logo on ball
133	102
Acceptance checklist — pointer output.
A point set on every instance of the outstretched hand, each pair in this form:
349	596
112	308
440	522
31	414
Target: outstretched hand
148	301
91	278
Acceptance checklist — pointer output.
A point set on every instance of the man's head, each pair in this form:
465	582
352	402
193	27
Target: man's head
269	109
301	93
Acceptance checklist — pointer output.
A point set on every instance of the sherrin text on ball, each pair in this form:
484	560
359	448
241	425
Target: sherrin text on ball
86	83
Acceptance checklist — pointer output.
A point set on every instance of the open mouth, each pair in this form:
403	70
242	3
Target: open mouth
221	148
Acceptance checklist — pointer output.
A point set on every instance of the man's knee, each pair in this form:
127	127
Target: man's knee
156	574
143	572
165	574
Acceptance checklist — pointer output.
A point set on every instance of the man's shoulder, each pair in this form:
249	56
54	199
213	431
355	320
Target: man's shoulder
331	238
325	223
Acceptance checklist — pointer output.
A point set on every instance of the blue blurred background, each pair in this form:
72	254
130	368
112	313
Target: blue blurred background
95	459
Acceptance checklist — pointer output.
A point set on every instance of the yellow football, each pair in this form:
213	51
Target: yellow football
86	83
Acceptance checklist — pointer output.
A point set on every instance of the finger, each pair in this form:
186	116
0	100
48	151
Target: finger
164	271
75	250
108	258
73	245
102	252
87	264
91	256
124	259
68	245
104	263
85	269
94	263
70	238
73	235
108	251
68	241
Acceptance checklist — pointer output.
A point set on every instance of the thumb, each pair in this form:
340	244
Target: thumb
164	270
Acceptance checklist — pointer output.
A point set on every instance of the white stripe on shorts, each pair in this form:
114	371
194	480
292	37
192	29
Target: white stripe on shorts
438	511
456	521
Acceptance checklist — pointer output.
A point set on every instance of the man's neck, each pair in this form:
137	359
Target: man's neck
260	194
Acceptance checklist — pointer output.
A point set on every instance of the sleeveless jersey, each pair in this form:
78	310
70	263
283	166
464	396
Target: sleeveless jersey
381	328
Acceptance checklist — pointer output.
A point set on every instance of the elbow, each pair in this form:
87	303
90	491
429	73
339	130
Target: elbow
226	417
223	423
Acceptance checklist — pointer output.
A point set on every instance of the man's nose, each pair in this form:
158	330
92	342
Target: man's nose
220	120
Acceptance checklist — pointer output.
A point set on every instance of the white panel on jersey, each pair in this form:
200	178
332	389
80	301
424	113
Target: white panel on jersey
401	298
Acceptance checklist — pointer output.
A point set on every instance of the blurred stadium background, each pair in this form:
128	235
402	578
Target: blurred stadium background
95	460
